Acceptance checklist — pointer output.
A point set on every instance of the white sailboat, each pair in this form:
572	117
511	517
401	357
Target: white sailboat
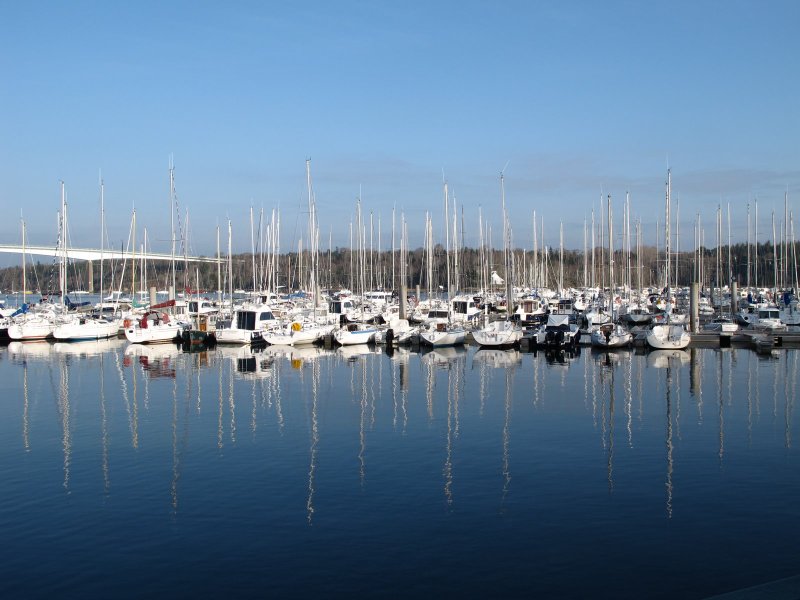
297	333
81	327
668	335
498	334
39	324
610	335
86	327
154	327
353	334
443	332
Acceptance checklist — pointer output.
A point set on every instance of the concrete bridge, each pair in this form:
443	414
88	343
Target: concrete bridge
89	254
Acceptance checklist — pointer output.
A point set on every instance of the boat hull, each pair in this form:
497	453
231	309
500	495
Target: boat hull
32	329
668	337
91	329
499	334
436	339
155	334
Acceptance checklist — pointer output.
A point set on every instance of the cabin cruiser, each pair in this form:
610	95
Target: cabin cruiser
247	325
722	324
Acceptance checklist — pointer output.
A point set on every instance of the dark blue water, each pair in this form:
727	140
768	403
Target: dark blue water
135	472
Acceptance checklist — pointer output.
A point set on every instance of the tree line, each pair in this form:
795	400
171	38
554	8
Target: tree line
346	268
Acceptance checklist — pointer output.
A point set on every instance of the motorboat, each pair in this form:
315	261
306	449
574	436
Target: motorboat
768	318
558	333
247	326
721	324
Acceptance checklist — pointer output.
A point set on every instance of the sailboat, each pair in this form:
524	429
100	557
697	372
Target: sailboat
307	329
722	322
668	335
39	324
498	334
81	327
611	335
442	331
154	326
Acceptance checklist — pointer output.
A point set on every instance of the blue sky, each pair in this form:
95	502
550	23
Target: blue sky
578	99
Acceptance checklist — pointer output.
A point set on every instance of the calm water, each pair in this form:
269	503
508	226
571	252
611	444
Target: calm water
135	472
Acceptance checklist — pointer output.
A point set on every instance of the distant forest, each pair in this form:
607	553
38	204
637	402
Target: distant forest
344	268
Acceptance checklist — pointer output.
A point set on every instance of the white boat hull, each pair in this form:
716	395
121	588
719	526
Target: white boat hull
668	337
611	337
36	328
348	337
307	334
448	337
497	334
89	329
153	334
238	336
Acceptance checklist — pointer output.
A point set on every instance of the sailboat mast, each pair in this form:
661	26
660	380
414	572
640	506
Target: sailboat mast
628	242
230	265
585	257
102	233
172	218
561	259
730	265
610	259
219	271
252	250
506	250
719	255
312	234
24	277
677	239
594	272
748	246
667	232
536	277
755	247
774	262
133	259
785	232
63	245
394	274
447	240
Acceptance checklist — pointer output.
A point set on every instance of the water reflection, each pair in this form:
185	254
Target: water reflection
88	348
497	359
243	396
156	361
248	361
